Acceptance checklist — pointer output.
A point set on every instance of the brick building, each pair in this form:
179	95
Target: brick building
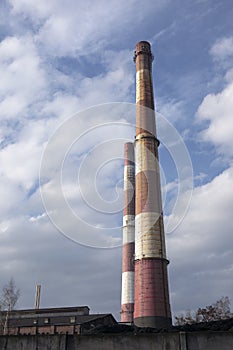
66	320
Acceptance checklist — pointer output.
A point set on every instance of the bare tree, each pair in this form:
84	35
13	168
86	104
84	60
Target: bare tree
188	318
217	311
220	310
10	296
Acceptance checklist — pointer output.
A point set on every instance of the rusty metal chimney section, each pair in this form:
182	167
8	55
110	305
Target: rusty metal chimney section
127	294
151	308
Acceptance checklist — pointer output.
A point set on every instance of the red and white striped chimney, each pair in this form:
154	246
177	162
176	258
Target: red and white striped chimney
127	294
151	308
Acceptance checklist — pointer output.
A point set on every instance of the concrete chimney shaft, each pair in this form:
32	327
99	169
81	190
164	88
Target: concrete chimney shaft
151	308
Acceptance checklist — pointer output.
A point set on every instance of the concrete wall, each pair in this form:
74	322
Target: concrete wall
162	341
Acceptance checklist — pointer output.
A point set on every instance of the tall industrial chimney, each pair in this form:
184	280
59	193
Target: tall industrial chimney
127	294
151	308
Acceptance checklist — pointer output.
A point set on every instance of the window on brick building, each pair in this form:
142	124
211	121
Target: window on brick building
72	319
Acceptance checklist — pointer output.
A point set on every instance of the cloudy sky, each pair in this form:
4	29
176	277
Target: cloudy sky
61	165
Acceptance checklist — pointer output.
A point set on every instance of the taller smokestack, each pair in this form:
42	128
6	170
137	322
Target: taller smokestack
152	308
127	293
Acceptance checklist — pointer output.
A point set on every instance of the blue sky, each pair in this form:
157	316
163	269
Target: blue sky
58	58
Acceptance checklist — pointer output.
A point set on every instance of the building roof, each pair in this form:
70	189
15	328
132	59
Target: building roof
53	310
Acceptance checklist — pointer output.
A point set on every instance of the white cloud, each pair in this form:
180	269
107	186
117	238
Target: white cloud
171	109
229	75
115	85
222	49
12	106
19	163
27	90
217	110
79	28
83	92
12	196
23	79
62	105
34	9
200	249
97	143
34	252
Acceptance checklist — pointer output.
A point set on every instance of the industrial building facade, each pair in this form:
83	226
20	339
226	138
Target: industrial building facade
67	320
